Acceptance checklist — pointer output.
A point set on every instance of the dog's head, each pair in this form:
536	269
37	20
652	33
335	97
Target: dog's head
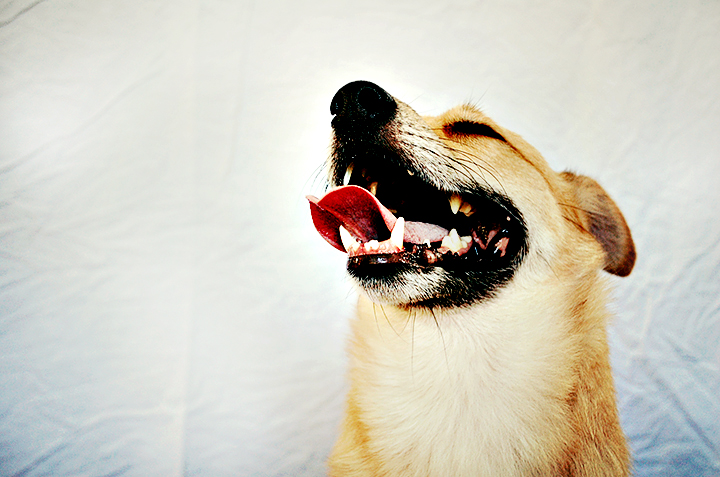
443	211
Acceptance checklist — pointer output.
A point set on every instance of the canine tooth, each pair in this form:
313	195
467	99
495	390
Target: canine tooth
398	233
349	242
348	174
373	188
455	203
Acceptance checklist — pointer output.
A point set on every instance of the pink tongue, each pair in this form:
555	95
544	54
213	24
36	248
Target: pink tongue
364	217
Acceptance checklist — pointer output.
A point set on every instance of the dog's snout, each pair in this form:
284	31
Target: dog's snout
362	102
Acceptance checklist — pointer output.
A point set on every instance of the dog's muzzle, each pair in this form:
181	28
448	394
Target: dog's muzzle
387	211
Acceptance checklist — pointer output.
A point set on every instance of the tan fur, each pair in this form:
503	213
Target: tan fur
518	384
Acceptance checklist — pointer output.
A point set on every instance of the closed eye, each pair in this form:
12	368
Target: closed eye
471	128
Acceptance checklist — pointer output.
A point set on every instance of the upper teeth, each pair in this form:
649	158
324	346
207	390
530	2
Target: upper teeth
348	174
457	204
373	188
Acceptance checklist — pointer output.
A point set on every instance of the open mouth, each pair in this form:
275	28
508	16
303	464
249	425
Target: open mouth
381	213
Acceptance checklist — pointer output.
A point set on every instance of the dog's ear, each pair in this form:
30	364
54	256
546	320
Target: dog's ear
603	219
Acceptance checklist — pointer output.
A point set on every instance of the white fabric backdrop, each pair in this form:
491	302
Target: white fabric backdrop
166	307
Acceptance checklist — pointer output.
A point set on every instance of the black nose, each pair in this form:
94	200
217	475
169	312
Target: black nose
362	102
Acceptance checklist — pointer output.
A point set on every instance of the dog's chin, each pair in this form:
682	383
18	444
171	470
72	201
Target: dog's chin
391	280
397	283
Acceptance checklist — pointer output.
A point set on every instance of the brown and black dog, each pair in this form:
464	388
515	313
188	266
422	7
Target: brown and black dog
480	344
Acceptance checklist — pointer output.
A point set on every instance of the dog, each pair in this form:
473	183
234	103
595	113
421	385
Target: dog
479	347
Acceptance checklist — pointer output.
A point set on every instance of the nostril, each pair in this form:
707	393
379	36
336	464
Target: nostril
371	101
338	102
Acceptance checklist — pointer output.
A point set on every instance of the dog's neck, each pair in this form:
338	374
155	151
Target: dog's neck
474	386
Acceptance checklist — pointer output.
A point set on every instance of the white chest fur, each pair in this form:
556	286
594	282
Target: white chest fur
460	393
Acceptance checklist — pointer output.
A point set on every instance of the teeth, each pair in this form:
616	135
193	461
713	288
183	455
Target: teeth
373	245
454	242
455	203
348	174
349	242
373	188
467	209
451	240
398	233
